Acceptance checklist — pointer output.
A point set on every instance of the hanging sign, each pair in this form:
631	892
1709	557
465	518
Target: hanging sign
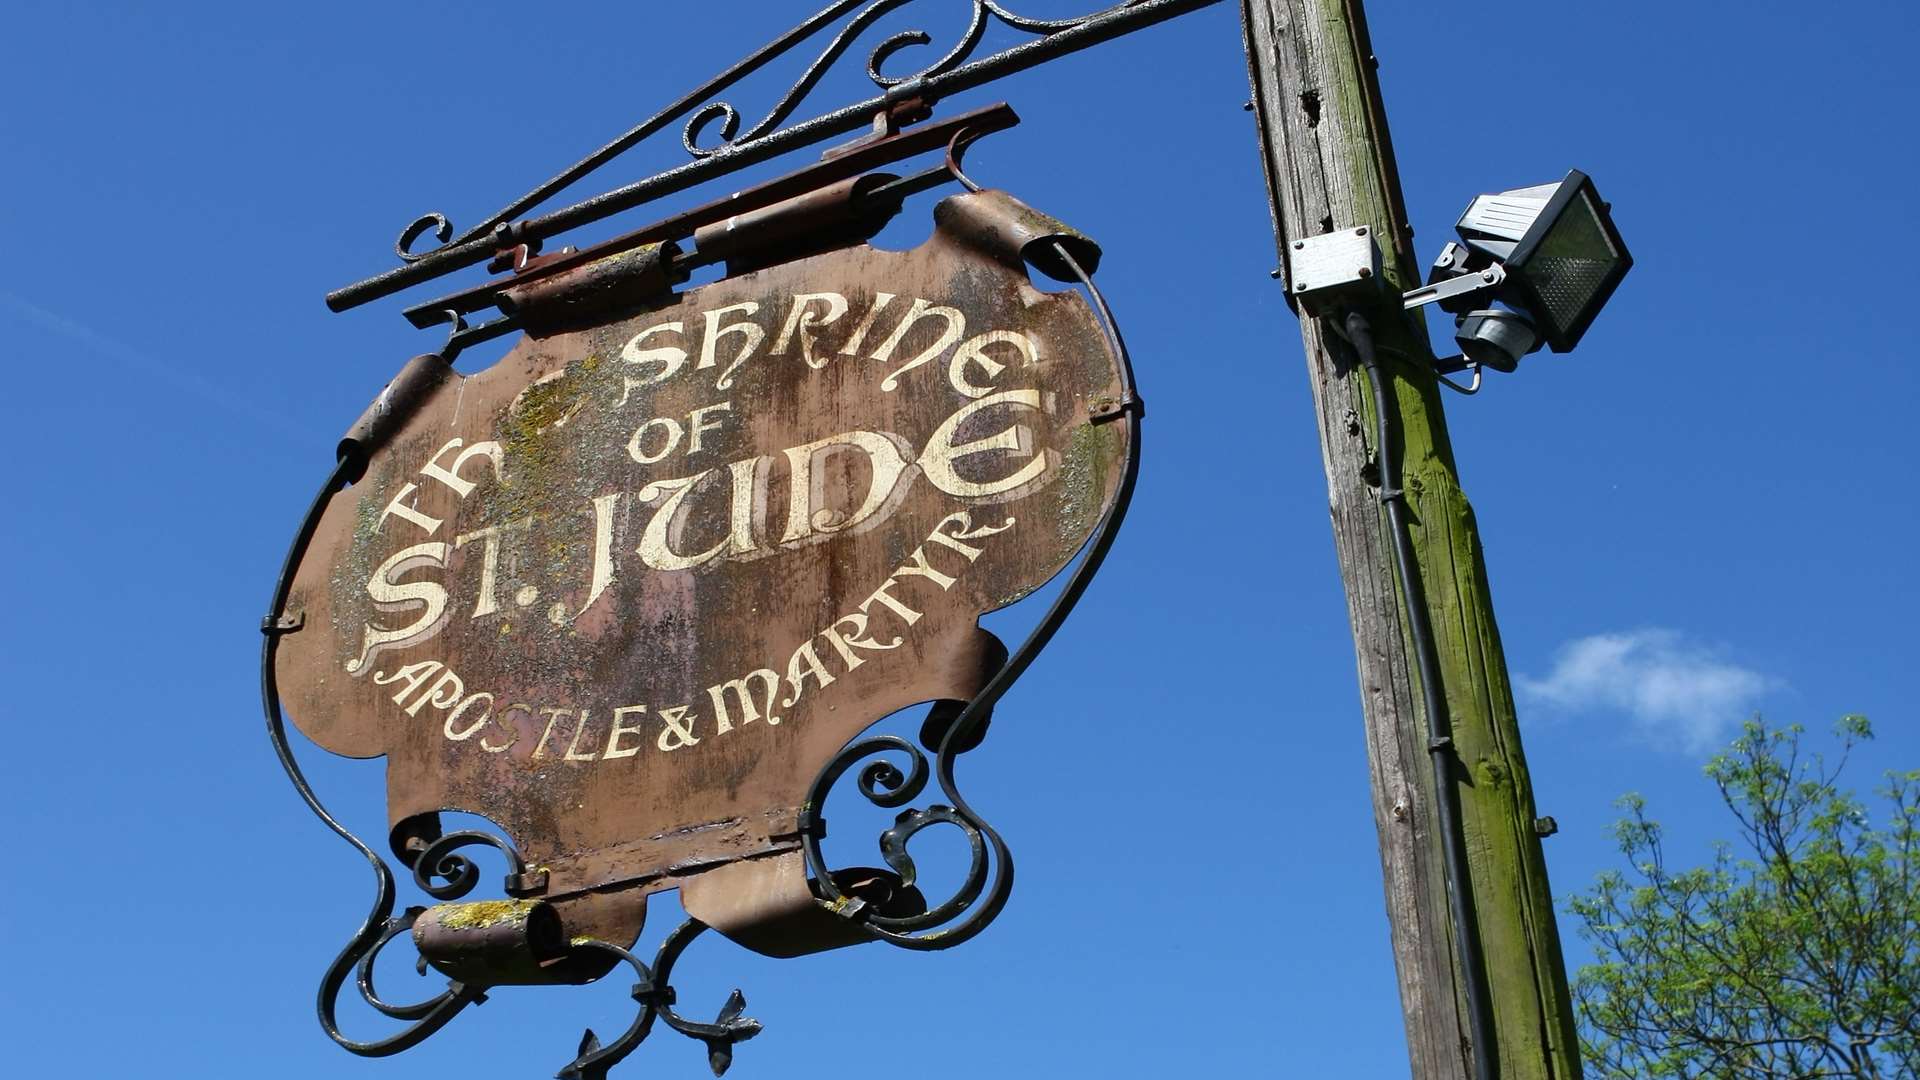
626	591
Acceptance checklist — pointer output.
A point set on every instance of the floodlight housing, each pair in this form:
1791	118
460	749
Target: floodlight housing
1550	253
1562	255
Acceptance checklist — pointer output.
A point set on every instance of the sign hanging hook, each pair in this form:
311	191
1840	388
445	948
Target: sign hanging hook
956	153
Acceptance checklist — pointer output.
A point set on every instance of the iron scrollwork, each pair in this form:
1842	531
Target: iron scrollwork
655	994
955	70
702	107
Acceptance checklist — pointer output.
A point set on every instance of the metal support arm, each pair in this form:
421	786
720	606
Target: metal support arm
1464	285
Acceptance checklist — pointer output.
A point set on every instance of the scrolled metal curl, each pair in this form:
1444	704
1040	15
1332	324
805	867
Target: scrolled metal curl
703	107
654	993
457	872
963	48
989	878
729	116
893	849
435	222
396	926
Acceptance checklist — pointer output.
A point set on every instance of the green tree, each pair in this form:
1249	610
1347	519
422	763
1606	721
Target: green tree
1796	956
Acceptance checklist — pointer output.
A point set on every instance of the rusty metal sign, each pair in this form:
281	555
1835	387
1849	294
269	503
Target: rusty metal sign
628	591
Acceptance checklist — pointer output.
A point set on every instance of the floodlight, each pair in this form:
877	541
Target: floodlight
1566	263
1550	252
1549	255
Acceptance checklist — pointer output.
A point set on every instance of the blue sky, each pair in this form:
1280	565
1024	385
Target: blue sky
1698	515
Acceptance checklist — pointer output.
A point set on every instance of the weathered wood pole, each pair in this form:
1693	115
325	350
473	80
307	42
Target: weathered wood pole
1329	163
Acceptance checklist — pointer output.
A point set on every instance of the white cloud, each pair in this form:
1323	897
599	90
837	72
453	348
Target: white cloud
1678	693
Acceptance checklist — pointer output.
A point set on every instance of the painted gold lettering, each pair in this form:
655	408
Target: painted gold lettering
956	327
413	675
974	351
668	357
750	333
460	710
662	529
891	603
513	730
621	727
805	514
489	602
918	566
675	729
937	460
399	508
859	335
797	674
939	535
552	714
445	690
746	506
965	529
857	638
601	574
802	319
673	435
697	424
573	747
390	595
743	693
450	475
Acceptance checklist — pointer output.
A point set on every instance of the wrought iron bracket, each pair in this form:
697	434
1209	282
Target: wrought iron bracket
899	125
904	100
872	198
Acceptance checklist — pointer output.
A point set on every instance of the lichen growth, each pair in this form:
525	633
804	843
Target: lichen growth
483	913
1082	486
532	437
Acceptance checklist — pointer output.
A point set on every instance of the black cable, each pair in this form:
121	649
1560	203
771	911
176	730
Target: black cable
1439	738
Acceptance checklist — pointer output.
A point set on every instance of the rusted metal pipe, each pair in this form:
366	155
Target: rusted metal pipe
492	942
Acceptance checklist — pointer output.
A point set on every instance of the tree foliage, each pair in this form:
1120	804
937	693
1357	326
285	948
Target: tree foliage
1797	955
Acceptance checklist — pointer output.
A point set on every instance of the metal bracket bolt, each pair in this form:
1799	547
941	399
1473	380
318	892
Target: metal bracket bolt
527	883
1102	409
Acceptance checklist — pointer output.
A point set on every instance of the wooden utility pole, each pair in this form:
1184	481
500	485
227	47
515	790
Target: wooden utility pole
1329	165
